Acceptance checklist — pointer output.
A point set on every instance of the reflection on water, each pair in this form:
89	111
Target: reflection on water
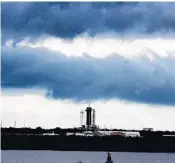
15	156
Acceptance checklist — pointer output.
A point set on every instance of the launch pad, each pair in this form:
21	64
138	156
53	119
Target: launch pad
89	123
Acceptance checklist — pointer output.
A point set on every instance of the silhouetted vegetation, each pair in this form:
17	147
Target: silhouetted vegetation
63	131
81	143
32	139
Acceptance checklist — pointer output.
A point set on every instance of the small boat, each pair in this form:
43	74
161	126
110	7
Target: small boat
109	159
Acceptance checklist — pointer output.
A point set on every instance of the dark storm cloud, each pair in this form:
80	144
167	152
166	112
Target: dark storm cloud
86	78
67	20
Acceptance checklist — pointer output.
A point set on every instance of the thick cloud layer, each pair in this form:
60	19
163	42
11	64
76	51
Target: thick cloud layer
86	78
67	20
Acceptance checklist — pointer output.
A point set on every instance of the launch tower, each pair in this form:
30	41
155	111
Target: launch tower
88	116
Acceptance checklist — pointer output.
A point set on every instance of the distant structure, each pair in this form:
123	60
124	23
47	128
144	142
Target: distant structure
14	124
90	118
147	129
81	118
109	159
93	118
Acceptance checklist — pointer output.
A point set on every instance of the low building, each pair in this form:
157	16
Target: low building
88	133
70	134
131	134
100	133
116	133
79	134
147	129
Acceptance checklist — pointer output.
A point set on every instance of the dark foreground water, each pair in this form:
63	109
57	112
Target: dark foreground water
14	156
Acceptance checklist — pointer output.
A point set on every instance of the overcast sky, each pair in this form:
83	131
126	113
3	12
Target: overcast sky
56	57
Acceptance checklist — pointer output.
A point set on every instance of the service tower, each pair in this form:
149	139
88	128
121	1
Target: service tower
88	116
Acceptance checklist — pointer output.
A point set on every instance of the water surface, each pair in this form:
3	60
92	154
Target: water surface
16	156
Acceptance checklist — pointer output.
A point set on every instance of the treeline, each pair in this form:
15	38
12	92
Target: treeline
39	130
63	131
81	143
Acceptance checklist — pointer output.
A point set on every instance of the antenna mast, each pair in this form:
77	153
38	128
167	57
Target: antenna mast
14	124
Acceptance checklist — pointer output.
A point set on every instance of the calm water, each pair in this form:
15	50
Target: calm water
87	157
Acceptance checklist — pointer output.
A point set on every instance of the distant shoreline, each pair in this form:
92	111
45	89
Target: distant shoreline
82	151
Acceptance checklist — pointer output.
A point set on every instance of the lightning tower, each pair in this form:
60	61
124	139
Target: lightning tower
81	118
93	117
